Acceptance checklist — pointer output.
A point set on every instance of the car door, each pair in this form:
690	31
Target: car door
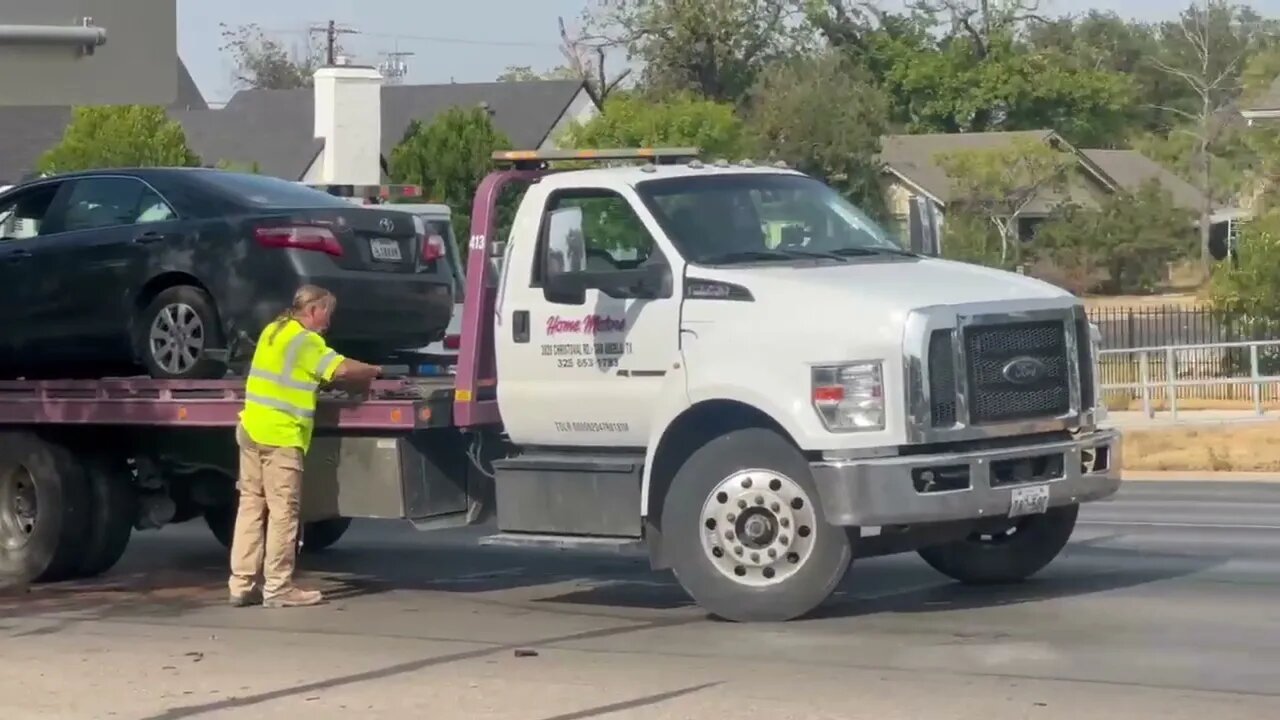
24	215
587	374
99	251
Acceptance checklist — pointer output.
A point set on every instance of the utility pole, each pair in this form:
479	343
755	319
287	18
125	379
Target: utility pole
331	32
394	67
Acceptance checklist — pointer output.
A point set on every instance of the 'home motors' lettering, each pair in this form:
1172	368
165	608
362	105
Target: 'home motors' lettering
587	325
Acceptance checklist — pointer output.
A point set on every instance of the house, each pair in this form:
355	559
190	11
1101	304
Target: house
1266	107
278	130
913	173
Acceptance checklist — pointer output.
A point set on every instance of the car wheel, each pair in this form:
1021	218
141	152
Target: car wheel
176	332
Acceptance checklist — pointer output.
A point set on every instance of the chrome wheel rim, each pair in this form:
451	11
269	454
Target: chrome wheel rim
758	527
177	338
19	511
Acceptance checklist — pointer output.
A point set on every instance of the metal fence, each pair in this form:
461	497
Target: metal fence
1210	352
1233	375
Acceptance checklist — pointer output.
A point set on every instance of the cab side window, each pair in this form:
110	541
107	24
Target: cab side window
23	214
592	230
111	202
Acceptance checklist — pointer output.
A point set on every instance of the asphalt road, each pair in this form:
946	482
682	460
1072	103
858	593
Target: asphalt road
1166	604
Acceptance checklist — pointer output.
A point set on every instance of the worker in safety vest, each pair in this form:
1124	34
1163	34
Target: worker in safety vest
290	363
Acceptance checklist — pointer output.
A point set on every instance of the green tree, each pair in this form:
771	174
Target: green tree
1123	245
822	115
241	167
714	48
631	119
449	158
525	73
263	62
1000	183
1247	291
112	136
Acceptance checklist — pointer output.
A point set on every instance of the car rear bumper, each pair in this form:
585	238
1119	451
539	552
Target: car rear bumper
890	491
386	311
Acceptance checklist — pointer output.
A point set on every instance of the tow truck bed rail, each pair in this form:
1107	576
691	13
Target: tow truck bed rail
393	404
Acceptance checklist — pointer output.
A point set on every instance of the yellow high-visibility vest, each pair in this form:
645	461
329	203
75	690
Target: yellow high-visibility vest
280	394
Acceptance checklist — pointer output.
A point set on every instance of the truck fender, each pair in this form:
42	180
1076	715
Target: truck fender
670	409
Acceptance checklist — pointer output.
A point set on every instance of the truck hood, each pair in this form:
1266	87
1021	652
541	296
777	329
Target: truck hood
884	285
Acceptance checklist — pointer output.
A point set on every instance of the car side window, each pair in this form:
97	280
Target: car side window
23	214
610	236
113	201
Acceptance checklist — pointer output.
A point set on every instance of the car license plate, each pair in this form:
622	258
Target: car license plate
384	249
1032	500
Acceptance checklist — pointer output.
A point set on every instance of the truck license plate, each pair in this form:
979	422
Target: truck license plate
384	249
1033	500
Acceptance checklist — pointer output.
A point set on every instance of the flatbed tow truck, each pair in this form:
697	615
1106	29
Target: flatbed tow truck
756	417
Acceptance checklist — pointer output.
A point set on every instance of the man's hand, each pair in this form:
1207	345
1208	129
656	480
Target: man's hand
356	376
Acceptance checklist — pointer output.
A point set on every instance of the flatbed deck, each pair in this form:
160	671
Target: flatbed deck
393	404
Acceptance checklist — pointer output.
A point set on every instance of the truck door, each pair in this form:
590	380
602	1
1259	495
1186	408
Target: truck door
584	370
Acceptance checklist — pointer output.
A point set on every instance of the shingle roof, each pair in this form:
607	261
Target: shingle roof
524	111
275	128
27	132
1131	169
914	158
1268	101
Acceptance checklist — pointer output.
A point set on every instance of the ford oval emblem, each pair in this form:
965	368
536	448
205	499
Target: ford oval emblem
1024	370
386	225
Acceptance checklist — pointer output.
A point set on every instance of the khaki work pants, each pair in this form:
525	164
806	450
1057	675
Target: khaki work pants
265	540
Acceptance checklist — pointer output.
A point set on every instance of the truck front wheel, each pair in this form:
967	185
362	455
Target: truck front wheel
745	532
1010	553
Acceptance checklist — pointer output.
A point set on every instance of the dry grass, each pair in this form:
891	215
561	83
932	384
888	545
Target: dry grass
1124	302
1237	447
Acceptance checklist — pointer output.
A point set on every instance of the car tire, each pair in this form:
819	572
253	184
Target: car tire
1005	557
113	509
44	510
718	551
175	333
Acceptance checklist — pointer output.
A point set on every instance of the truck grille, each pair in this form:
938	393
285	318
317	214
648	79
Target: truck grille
992	397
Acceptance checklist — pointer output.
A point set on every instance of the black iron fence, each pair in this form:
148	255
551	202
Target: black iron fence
1170	326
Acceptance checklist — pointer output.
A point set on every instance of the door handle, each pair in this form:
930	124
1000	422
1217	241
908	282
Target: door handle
15	255
520	326
148	237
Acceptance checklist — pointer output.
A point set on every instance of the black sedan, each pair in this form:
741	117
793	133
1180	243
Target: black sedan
177	270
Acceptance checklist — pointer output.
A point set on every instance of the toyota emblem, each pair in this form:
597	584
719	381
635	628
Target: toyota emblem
1024	370
386	225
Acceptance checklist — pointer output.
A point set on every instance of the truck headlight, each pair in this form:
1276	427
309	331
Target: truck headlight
850	397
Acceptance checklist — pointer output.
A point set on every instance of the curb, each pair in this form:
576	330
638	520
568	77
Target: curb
1197	476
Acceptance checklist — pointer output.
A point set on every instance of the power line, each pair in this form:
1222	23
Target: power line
423	38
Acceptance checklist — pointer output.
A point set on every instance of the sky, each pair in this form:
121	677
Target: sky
469	41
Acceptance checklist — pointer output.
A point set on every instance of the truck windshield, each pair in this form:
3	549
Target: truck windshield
761	217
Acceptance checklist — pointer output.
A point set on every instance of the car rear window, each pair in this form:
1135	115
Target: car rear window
268	192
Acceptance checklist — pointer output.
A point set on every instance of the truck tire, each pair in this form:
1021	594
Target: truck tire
745	532
113	509
320	535
1005	557
177	318
317	536
44	510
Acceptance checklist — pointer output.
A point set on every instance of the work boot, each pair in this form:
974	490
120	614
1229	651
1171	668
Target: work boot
294	597
245	599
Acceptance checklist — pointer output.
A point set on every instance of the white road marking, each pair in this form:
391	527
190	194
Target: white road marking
1205	526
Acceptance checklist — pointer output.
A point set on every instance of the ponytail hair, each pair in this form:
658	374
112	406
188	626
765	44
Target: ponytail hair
306	297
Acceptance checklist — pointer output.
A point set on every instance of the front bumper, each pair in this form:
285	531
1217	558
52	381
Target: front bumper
883	491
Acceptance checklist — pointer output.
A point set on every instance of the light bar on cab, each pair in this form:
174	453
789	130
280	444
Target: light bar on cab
673	154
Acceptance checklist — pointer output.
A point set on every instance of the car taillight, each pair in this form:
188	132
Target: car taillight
452	342
432	248
302	237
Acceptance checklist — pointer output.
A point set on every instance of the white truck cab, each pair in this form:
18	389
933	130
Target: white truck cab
781	387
